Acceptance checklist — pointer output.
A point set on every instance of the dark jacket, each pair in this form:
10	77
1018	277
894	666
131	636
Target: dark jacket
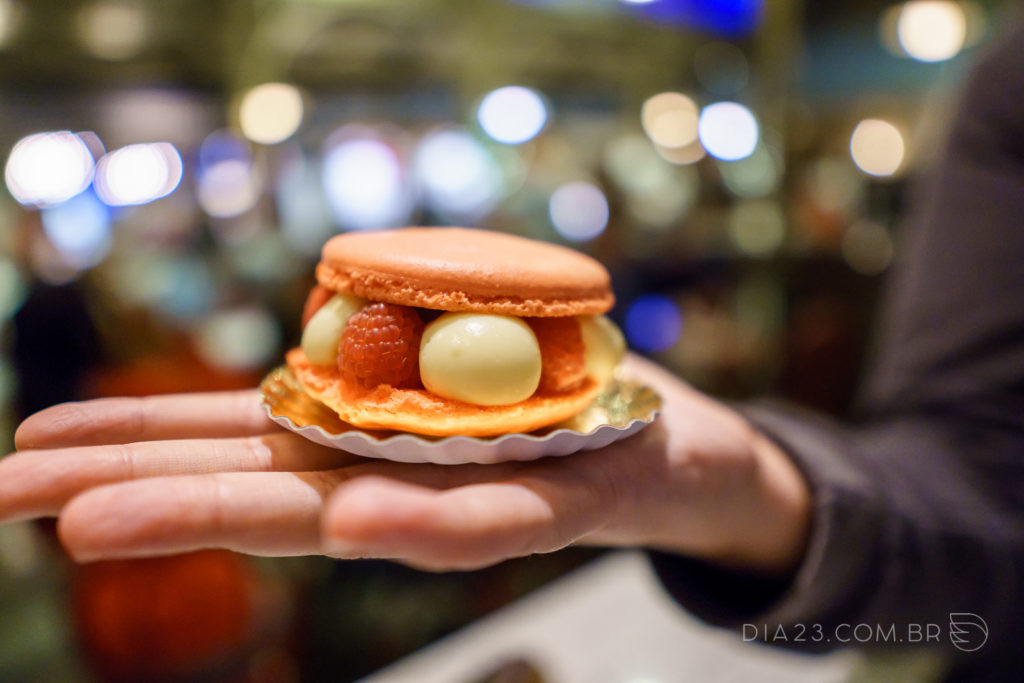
919	499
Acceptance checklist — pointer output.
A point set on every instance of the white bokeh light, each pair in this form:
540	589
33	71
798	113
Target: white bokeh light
579	211
48	168
512	115
365	185
138	174
728	131
931	30
270	113
457	175
877	147
670	119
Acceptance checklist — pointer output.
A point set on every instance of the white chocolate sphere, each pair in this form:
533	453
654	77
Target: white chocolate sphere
488	360
322	334
603	345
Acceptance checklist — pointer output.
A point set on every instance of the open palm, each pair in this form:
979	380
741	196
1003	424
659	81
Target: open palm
132	477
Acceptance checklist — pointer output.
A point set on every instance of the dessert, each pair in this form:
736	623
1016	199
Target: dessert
455	331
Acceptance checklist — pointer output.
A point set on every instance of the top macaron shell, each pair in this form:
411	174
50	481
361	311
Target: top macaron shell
462	269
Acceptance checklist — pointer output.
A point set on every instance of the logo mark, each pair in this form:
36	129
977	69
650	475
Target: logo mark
968	631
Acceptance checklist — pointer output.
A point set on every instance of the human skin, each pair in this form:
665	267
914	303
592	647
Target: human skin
139	477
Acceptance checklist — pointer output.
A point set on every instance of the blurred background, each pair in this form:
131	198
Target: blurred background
172	169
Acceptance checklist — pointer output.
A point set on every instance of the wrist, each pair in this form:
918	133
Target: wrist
774	539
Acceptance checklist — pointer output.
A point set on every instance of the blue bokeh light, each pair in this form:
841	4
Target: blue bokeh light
653	323
220	146
733	18
184	288
79	228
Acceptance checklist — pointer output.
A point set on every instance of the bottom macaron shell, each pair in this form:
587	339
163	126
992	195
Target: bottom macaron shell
421	412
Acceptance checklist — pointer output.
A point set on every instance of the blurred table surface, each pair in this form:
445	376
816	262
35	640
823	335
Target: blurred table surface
609	621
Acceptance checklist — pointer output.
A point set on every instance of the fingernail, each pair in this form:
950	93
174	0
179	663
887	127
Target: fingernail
343	548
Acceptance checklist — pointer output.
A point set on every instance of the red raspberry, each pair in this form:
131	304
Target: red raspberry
381	345
561	353
318	296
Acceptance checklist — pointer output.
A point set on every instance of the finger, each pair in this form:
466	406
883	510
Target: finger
123	420
39	483
260	513
539	509
253	512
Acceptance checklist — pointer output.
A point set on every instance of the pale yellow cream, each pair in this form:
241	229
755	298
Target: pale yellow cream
322	335
484	359
603	345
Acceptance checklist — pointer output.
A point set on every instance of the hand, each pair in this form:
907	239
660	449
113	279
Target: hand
132	477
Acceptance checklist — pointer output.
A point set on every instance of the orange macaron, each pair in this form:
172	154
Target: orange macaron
455	331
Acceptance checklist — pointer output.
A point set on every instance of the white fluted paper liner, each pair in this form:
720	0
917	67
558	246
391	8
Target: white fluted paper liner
622	410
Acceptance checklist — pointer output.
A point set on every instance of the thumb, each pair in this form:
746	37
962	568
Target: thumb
540	508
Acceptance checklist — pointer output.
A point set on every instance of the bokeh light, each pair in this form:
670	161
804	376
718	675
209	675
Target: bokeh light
657	194
833	185
239	340
79	229
665	207
366	185
223	145
227	184
631	162
48	168
579	211
113	29
931	30
683	156
653	323
228	188
456	174
9	20
138	174
512	115
270	113
735	18
757	175
867	247
757	226
183	287
728	131
670	119
877	147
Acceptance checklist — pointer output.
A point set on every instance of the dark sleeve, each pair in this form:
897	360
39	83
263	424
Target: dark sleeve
919	502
